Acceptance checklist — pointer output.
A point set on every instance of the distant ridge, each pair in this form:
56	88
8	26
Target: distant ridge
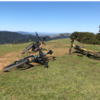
14	37
52	35
26	33
40	33
61	35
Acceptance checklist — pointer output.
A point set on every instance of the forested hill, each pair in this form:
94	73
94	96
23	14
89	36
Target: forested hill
11	37
14	37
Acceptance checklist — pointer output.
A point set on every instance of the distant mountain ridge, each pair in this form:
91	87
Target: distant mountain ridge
11	37
40	33
14	37
58	36
26	33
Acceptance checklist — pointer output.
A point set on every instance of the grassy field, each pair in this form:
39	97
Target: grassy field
69	77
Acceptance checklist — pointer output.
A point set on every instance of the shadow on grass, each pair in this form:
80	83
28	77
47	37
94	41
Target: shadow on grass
47	59
40	62
25	68
81	54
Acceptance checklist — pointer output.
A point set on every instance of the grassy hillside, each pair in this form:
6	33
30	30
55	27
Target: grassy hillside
68	78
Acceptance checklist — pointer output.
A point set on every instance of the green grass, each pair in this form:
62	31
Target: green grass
68	78
8	48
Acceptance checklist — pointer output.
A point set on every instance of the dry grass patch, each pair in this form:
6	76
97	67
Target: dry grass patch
8	59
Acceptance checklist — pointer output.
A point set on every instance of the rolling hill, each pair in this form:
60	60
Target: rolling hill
59	36
14	37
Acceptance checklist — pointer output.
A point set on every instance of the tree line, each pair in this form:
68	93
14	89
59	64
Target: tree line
86	37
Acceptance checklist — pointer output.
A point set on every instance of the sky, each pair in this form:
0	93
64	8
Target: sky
50	16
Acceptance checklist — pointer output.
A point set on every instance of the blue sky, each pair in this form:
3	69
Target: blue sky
50	17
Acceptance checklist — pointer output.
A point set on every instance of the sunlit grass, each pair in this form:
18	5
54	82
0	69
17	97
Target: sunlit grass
67	78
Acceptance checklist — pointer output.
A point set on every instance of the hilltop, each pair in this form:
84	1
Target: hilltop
69	77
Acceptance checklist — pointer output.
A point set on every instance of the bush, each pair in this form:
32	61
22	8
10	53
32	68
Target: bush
86	37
